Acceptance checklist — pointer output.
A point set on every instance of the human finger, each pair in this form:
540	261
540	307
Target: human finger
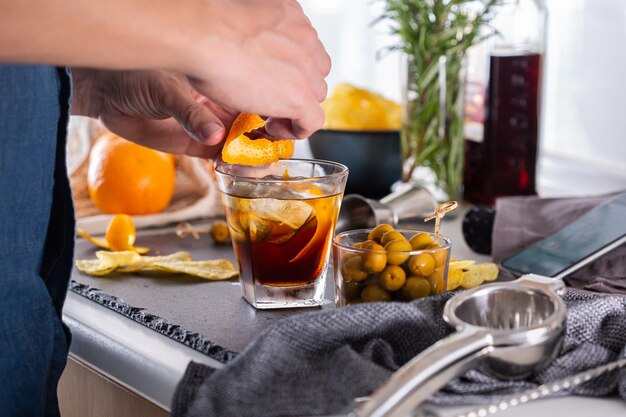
299	105
300	126
200	123
165	135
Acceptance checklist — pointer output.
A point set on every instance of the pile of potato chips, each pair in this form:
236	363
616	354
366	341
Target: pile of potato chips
469	274
179	262
353	108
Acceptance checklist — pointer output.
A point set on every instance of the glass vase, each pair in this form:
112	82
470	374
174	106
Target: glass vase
432	131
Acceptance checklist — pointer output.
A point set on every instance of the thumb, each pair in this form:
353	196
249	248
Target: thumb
200	123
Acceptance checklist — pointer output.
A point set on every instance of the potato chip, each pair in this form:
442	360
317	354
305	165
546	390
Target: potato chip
146	262
93	267
455	277
107	262
214	270
455	273
352	108
117	259
476	274
461	264
179	262
472	277
490	271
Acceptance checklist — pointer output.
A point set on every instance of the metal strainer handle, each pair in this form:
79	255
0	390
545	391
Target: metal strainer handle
555	285
427	373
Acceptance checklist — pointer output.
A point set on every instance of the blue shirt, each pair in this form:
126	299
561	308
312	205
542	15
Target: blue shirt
36	237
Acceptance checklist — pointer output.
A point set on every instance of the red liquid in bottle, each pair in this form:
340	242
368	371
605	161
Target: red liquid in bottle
504	162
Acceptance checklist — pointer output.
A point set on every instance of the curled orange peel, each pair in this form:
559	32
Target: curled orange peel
242	150
120	235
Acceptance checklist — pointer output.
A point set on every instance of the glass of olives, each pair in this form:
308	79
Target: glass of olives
387	264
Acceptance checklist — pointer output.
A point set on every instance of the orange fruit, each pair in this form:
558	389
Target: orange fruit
240	149
124	177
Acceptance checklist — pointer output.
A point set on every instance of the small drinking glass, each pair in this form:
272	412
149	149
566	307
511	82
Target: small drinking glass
363	274
282	219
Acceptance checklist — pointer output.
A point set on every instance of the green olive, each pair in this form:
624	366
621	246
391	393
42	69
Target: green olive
346	256
439	255
363	245
437	281
392	278
375	293
389	236
416	287
421	241
377	233
375	259
219	231
352	290
398	251
421	265
353	270
368	243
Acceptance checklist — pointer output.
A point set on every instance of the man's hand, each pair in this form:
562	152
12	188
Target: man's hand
264	57
157	109
255	56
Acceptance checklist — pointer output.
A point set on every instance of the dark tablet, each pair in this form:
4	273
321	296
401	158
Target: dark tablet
575	245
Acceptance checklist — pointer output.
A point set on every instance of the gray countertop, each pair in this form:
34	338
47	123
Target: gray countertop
215	309
150	364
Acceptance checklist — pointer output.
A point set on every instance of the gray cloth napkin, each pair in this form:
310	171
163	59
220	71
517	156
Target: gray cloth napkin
316	363
521	221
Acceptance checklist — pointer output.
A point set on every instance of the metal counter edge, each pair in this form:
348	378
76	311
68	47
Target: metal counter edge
136	357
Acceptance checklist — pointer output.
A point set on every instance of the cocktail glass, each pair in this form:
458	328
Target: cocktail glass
282	219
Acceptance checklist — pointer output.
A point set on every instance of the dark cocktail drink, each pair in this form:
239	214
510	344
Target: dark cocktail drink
281	242
281	228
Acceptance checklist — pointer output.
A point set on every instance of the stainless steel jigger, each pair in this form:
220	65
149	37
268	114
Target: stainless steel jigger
509	330
407	203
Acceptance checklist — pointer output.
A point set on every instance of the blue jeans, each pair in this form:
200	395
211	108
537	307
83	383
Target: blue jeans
36	237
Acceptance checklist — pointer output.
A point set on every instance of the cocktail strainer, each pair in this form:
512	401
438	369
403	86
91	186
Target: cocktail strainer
509	330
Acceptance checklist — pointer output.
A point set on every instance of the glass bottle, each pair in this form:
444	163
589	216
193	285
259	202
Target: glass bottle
503	94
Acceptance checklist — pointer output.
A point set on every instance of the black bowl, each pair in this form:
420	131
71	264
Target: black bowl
373	158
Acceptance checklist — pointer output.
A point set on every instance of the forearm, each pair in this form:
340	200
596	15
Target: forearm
253	56
115	34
